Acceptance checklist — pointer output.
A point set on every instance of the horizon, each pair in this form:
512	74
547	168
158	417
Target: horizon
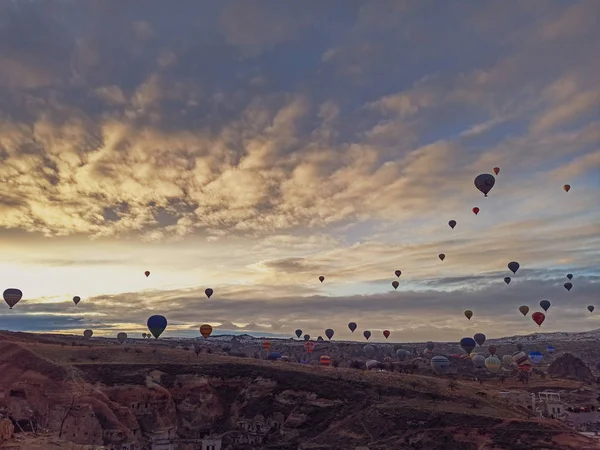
251	148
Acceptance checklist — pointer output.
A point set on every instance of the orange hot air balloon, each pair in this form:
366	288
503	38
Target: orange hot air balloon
205	330
476	210
567	187
386	333
266	345
147	273
308	345
325	360
496	170
538	318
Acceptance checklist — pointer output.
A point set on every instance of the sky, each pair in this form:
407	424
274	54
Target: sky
252	146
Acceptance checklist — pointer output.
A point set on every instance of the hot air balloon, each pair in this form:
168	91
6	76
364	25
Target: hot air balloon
386	333
493	364
206	330
442	256
524	309
156	325
352	326
398	273
76	299
430	345
519	357
147	273
513	266
519	346
485	182
273	356
538	318
507	280
329	333
325	360
144	335
298	333
88	334
12	297
402	354
395	284
479	338
440	364
452	224
550	349
570	276
545	304
369	350
478	361
266	345
567	187
468	314
492	349
536	357
476	210
467	344
568	286
496	170
507	360
320	338
307	337
309	346
367	334
208	292
591	308
321	278
121	337
370	364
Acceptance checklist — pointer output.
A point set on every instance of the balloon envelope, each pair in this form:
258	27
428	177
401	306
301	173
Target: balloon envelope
567	187
321	278
369	350
398	273
493	364
76	299
121	337
156	325
524	309
352	326
479	338
329	333
430	345
12	297
442	256
274	356
538	318
298	333
467	344
307	337
209	292
367	334
568	286
591	308
325	360
440	364
452	223
206	330
88	334
386	333
550	349
395	284
513	266
507	280
479	361
545	304
570	276
476	210
484	183
492	349
536	357
468	314
496	170
147	273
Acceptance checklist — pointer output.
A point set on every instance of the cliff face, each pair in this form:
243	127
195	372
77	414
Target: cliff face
245	404
569	366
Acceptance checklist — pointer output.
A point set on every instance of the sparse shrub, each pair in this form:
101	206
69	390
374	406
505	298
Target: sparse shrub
452	384
126	349
335	363
186	348
138	351
154	350
72	359
73	344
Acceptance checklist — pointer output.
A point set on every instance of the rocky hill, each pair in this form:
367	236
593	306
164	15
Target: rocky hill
60	396
569	366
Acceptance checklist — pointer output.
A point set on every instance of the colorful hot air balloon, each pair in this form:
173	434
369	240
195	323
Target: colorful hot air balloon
398	273
550	349
274	356
440	364
536	357
329	333
430	345
309	346
386	333
479	338
519	357
88	334
12	297
307	337
208	292
545	304
496	170
476	210
507	360
325	360
570	276
568	286
156	325
298	333
206	330
76	299
369	350
468	314
395	284
147	273
591	308
567	187
524	309
367	334
121	337
321	278
478	361
442	256
352	326
492	349
452	224
402	354
493	364
485	182
507	280
513	266
266	345
538	318
467	344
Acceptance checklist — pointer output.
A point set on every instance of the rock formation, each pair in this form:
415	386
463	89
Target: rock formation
569	366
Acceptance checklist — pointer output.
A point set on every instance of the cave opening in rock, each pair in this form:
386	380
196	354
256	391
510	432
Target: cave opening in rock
23	425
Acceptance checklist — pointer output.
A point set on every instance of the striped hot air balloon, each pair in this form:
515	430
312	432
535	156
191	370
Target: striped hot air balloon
206	330
12	297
